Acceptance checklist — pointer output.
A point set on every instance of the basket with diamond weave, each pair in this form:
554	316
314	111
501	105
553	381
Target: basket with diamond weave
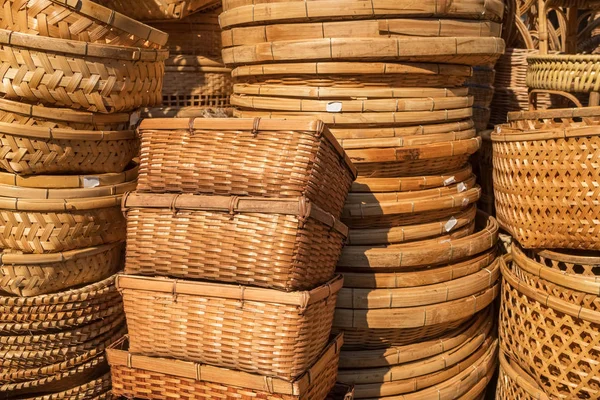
515	384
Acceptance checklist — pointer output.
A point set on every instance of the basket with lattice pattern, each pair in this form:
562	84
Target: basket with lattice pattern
515	384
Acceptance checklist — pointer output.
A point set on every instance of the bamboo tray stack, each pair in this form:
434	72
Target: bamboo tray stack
74	75
233	236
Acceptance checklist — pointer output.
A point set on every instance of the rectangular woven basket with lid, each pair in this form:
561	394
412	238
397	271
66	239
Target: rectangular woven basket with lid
262	331
285	244
136	376
245	157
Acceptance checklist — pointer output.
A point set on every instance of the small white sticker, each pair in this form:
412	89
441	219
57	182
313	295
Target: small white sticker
461	187
91	181
465	202
450	224
134	118
449	181
334	107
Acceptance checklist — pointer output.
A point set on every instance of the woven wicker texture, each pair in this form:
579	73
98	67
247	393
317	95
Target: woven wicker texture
92	77
151	10
278	334
569	73
515	384
192	87
247	157
156	378
539	216
571	262
552	340
31	275
80	20
97	389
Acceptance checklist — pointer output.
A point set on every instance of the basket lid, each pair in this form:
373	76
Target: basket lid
20	194
118	356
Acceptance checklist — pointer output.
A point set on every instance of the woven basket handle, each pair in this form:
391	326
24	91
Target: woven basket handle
534	92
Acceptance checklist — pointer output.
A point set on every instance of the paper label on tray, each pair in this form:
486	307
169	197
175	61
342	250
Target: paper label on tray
449	181
450	224
461	187
91	181
334	107
134	118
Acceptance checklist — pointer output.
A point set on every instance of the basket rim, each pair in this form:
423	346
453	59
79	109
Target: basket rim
51	258
68	194
563	58
81	49
562	255
505	133
257	124
42	132
505	366
554	113
117	355
409	183
111	17
73	204
299	206
104	380
229	291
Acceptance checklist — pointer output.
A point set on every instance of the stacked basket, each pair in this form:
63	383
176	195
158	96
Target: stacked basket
73	75
233	236
388	81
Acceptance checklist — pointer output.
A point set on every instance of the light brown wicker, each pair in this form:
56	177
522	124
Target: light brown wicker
286	244
553	340
151	10
97	389
192	86
515	384
88	76
569	73
136	376
584	263
262	331
187	112
80	20
35	274
245	157
560	209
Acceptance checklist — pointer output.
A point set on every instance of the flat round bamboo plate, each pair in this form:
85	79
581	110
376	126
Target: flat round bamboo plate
394	132
420	277
360	28
405	141
516	384
466	51
246	12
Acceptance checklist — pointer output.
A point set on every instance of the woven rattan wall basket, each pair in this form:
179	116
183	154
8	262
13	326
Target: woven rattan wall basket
560	210
130	373
153	10
93	77
81	20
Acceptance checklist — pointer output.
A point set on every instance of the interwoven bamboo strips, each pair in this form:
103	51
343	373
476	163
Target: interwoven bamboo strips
69	181
342	135
405	184
152	10
515	384
97	389
571	262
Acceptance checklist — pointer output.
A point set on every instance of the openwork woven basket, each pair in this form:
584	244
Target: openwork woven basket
569	73
151	10
559	210
144	377
245	157
515	384
584	263
87	76
197	86
279	334
80	20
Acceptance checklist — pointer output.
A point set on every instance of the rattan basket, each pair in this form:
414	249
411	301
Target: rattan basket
584	263
97	389
515	384
37	274
87	76
152	10
569	73
529	335
273	333
295	245
197	86
80	20
142	377
559	210
247	157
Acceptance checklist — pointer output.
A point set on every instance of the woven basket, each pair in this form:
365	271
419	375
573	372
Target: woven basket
515	384
245	158
33	274
80	20
274	333
482	95
241	12
483	75
562	361
197	87
55	220
142	377
560	210
354	75
481	117
187	112
341	392
151	10
295	245
569	73
411	131
97	389
464	50
92	77
583	263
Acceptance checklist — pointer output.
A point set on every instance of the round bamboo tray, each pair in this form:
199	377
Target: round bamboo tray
515	384
562	189
152	10
88	76
466	50
34	274
354	75
370	28
459	127
581	263
562	361
245	12
569	73
430	252
80	20
97	389
57	220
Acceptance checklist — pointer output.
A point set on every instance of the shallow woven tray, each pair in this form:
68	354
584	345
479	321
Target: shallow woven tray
458	128
96	389
569	73
238	12
553	357
245	157
160	379
151	10
116	78
295	247
430	252
360	28
80	20
466	51
515	384
538	216
277	333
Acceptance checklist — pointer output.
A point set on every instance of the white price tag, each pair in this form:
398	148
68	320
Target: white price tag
334	107
450	224
449	181
134	118
461	187
91	181
465	202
